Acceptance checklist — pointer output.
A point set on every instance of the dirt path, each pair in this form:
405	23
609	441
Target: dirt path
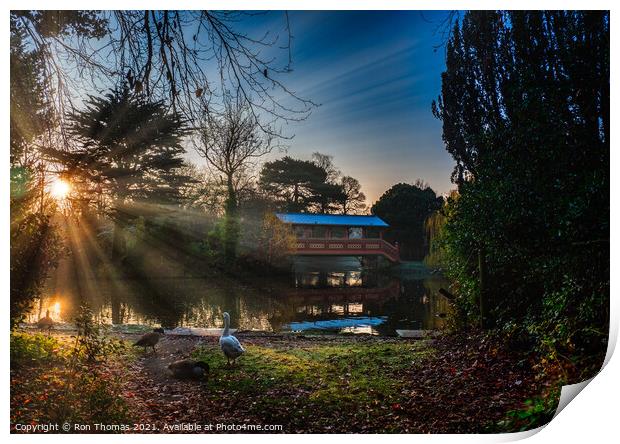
161	401
152	392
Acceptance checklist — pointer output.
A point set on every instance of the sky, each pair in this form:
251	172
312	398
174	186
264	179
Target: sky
375	75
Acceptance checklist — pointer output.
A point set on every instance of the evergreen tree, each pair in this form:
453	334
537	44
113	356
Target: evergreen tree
127	150
293	182
405	207
525	112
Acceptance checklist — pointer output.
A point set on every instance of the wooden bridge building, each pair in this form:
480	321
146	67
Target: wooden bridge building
340	235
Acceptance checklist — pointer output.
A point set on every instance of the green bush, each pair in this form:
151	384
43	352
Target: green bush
33	349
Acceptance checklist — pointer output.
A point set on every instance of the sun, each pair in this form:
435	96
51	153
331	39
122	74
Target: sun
59	189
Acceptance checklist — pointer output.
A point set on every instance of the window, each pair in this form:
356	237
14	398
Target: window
300	232
372	233
339	232
319	232
355	233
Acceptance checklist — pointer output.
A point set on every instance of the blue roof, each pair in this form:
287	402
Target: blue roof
331	219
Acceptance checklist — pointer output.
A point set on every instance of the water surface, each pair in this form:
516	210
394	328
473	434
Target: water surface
320	294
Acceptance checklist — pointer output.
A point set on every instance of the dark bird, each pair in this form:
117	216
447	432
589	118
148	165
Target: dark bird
189	369
150	339
46	323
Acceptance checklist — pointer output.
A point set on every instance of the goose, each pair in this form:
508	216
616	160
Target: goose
230	345
189	369
46	323
149	339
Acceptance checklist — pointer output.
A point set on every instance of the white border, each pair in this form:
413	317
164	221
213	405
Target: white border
591	418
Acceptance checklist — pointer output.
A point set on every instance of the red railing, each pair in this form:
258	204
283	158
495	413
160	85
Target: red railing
348	247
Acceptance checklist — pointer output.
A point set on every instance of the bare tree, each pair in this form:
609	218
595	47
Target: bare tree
204	192
191	59
326	162
354	201
232	142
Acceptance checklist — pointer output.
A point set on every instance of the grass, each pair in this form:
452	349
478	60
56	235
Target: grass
51	383
316	381
306	384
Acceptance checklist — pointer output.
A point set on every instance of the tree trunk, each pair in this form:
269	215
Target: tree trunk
118	241
296	196
231	228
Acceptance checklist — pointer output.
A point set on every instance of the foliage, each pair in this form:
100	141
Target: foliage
128	148
276	242
525	112
35	249
405	208
231	143
35	244
190	59
326	197
205	191
32	349
32	84
30	111
311	186
49	385
433	226
536	412
53	24
92	342
293	182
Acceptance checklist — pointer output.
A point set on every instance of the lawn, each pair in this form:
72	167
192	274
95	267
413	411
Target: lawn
293	384
301	383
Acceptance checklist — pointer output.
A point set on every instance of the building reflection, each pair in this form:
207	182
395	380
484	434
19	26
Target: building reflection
344	298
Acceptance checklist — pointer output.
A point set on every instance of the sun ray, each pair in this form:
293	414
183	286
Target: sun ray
59	189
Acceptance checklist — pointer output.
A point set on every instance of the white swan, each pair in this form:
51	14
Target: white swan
230	345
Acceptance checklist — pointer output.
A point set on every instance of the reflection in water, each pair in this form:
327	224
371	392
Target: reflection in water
334	294
330	279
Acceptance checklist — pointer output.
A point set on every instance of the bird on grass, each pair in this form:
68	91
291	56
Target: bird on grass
46	323
149	339
228	343
189	369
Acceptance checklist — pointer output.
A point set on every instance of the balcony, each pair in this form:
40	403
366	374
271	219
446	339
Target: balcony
347	247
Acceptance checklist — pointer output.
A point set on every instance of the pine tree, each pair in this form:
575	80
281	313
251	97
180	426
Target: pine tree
128	150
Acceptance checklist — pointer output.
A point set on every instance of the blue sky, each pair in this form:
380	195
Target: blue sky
374	74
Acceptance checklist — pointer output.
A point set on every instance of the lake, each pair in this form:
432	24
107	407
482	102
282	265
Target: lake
320	294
